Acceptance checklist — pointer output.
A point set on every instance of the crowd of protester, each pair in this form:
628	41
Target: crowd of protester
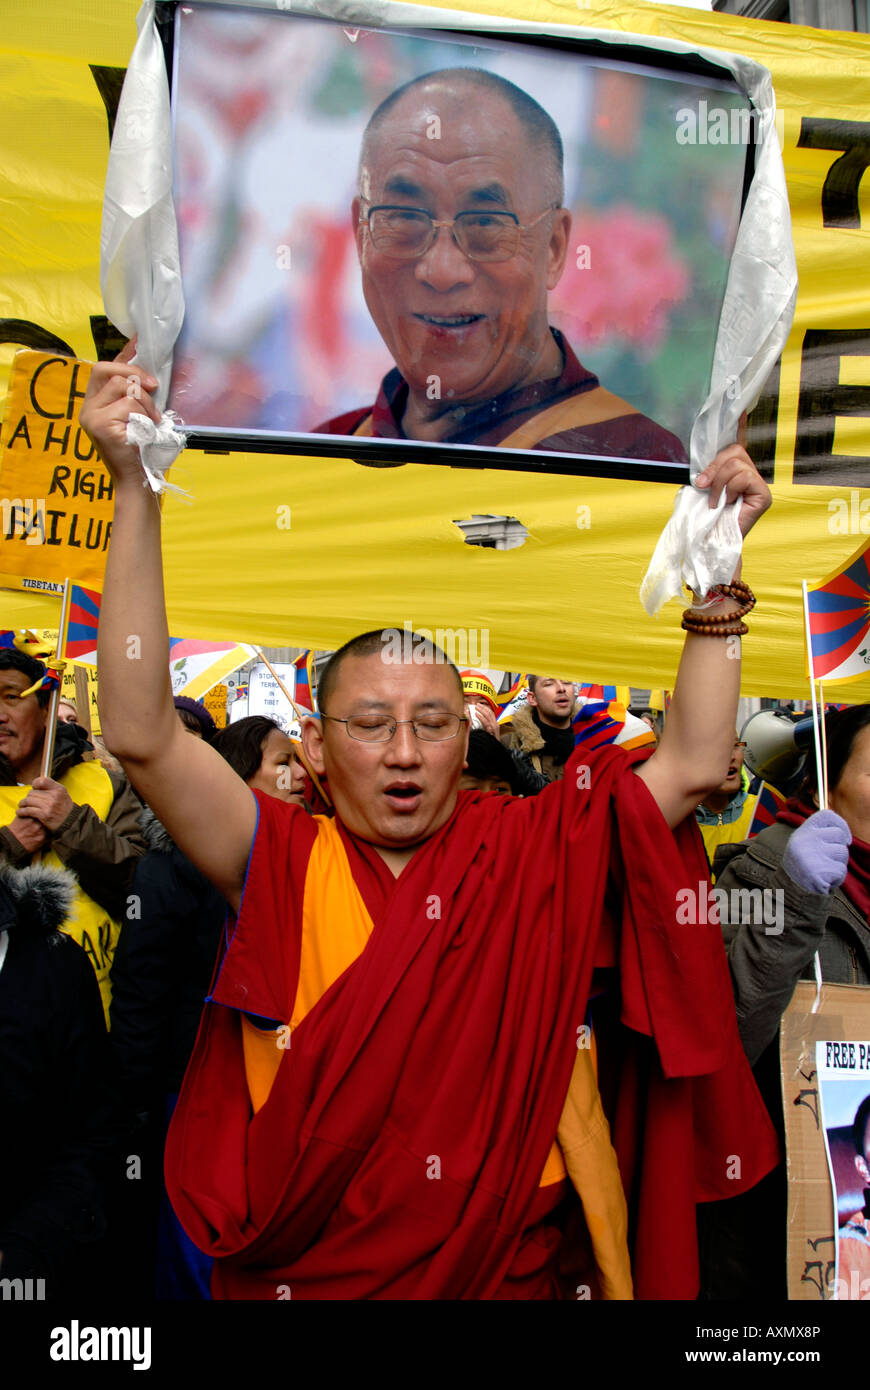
109	937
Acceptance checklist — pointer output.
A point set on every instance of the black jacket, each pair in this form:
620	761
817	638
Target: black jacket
765	965
57	1108
162	970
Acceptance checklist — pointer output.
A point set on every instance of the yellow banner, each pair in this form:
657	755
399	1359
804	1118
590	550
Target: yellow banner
366	547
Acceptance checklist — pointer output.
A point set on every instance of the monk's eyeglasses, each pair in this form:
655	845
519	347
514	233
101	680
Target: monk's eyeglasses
379	728
408	233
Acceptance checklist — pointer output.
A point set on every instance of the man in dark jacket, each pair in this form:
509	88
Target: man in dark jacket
542	736
55	1100
160	976
82	817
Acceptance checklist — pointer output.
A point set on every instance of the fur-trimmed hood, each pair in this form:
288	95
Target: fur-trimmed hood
526	737
157	837
35	900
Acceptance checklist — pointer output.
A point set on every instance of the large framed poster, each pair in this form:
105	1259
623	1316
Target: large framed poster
439	245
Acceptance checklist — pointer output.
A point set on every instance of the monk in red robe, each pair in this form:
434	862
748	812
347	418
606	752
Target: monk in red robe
457	1045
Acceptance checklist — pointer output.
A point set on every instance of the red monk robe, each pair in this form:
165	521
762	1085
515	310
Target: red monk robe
453	1036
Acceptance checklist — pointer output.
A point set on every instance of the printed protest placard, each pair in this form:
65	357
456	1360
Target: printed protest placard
266	697
814	1213
843	1069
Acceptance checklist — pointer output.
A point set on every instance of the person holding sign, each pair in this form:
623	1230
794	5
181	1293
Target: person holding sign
82	817
800	887
854	1237
394	1089
819	864
461	234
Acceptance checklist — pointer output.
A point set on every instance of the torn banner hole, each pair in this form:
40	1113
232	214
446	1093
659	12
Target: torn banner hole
493	532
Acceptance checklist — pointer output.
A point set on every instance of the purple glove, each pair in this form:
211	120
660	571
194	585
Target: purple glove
817	853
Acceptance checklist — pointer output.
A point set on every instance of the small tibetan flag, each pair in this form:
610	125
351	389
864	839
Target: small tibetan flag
81	631
839	621
303	694
507	697
767	807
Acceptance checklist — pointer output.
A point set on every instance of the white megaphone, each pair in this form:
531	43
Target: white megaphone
776	744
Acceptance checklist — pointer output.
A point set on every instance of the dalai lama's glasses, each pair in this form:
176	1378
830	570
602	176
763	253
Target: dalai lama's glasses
379	728
408	233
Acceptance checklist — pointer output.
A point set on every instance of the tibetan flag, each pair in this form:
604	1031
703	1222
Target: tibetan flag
81	632
512	700
598	722
839	621
195	666
507	697
606	693
303	693
768	805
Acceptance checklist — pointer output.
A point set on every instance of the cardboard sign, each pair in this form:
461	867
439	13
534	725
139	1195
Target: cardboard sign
56	495
813	1223
843	1070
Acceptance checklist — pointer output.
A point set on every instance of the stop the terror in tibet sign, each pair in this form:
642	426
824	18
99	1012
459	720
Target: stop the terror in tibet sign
56	494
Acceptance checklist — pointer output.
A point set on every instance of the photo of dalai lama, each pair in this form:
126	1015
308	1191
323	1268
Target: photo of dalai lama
461	235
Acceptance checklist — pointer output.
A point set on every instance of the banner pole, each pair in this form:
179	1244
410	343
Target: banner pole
823	789
300	714
54	698
823	726
821	769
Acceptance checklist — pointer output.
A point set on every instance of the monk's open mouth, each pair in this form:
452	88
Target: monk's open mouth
403	796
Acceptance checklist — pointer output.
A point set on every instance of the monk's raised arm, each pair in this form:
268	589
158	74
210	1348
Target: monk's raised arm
207	809
692	756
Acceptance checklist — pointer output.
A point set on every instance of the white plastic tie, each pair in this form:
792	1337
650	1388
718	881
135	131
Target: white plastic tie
159	447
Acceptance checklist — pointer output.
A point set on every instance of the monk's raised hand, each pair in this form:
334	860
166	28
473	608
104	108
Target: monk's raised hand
733	470
116	390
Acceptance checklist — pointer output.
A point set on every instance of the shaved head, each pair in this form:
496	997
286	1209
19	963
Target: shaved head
540	128
384	642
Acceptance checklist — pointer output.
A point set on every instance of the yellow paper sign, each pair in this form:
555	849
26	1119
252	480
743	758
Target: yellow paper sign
215	702
55	492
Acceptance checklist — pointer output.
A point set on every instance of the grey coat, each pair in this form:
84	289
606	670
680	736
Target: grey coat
766	962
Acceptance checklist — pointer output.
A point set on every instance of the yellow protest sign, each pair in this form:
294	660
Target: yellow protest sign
69	690
215	701
55	492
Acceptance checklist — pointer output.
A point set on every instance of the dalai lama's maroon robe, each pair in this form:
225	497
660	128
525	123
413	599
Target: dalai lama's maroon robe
454	1035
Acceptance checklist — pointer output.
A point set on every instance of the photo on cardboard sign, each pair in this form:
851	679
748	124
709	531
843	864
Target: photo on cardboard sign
844	1087
394	242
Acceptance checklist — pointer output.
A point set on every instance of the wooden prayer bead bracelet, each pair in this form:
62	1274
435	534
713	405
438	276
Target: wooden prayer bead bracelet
721	624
